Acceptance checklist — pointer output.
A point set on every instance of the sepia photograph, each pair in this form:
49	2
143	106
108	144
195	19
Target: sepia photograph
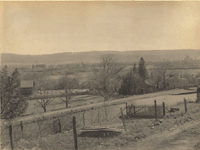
100	75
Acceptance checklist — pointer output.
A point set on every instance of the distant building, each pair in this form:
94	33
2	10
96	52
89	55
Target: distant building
143	87
27	87
177	82
40	66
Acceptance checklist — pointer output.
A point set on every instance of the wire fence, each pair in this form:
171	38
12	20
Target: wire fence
42	127
103	117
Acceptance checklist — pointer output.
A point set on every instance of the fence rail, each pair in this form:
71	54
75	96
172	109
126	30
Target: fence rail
145	110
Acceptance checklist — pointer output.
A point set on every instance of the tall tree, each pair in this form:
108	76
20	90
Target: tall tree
127	85
142	69
16	82
105	82
160	73
45	96
67	84
4	87
13	103
130	83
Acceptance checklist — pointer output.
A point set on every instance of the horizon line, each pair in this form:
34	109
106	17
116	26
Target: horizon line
100	51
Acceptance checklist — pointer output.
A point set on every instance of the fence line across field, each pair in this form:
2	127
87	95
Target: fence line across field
100	116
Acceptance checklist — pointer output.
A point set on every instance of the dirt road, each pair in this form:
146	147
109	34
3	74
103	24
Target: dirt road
186	137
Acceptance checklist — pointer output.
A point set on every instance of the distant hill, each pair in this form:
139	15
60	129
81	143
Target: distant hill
92	57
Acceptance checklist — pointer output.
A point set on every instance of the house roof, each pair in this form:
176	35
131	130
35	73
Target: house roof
26	83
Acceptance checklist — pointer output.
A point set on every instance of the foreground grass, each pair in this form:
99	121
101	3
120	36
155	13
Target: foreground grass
137	131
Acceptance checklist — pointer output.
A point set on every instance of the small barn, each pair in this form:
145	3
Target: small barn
27	87
144	88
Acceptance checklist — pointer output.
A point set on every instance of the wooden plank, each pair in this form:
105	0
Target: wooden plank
123	119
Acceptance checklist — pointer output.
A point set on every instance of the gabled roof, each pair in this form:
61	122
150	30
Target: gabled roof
26	83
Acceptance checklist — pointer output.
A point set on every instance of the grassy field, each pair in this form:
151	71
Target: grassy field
91	120
87	100
139	135
59	104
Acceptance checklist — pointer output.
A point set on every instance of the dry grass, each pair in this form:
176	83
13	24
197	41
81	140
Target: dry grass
137	129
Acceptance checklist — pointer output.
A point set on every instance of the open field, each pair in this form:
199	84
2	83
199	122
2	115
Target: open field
147	99
86	100
59	104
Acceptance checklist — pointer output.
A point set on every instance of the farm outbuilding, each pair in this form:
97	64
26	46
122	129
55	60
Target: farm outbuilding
27	87
143	88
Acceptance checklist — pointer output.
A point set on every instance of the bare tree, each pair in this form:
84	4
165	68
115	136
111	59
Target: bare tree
160	73
45	98
106	81
67	83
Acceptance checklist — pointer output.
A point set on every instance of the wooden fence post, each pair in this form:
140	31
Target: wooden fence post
98	115
155	109
106	114
185	103
134	110
126	110
91	119
198	93
84	118
123	119
163	108
21	124
11	137
130	110
75	133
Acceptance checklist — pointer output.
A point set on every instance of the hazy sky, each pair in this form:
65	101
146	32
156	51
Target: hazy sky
54	27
